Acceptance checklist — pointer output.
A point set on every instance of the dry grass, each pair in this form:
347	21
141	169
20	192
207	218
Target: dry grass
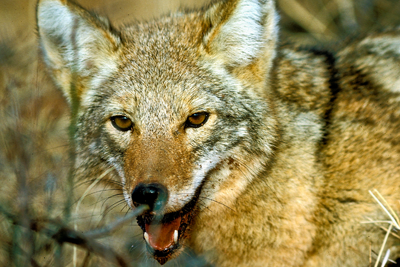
44	217
394	226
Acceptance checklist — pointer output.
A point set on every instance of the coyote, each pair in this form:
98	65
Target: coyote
250	152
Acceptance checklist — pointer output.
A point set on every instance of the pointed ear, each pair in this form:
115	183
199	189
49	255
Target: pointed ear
80	49
241	31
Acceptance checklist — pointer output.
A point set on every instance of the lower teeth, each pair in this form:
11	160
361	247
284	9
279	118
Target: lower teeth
176	236
146	237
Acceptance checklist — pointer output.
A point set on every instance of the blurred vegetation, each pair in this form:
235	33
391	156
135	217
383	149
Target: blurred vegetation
34	158
314	22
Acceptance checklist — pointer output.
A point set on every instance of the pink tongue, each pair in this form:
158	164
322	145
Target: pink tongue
161	236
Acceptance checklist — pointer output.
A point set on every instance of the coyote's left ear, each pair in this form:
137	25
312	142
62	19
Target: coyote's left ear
79	48
241	31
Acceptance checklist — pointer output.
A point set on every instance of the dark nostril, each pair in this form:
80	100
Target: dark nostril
155	195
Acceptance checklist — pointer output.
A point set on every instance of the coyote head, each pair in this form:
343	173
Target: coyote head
173	106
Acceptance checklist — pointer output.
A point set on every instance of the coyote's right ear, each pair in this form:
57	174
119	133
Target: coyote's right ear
79	48
241	32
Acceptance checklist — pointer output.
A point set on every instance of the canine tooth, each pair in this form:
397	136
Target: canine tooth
146	237
176	236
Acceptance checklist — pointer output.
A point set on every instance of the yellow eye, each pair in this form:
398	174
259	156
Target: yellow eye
121	123
197	120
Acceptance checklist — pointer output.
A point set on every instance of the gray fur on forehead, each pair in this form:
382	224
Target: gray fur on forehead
154	55
178	37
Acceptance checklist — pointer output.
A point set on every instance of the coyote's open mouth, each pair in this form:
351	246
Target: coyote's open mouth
164	235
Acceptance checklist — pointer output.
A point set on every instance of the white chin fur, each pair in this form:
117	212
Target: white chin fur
178	198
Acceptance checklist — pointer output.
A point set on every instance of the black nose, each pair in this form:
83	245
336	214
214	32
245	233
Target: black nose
155	195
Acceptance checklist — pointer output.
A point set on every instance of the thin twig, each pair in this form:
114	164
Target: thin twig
370	254
386	258
391	215
383	245
382	227
395	220
98	233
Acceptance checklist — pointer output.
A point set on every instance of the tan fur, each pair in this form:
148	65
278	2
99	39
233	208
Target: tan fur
294	141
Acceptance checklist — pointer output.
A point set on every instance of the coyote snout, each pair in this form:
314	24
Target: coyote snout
161	233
